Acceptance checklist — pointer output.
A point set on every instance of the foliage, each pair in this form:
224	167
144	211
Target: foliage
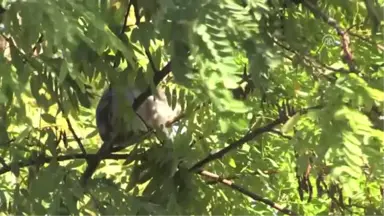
303	134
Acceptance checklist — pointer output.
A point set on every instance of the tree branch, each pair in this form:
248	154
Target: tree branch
31	162
246	192
137	12
126	17
39	41
280	134
343	34
80	144
61	108
248	137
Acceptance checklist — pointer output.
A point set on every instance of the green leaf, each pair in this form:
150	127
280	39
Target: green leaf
92	134
3	98
224	125
288	126
48	118
232	163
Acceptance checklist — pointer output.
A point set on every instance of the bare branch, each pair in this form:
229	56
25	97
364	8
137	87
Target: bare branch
126	18
39	41
81	146
79	143
246	192
280	134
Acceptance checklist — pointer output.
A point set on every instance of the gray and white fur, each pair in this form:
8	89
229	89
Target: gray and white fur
153	113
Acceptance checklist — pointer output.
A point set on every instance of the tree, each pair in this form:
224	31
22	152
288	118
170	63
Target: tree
282	106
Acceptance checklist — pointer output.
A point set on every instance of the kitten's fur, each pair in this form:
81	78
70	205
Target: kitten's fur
154	113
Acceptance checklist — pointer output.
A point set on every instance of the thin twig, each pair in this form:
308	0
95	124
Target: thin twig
39	41
81	146
137	12
246	192
122	31
126	17
78	140
280	134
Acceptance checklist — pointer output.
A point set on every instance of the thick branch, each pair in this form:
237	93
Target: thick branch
31	162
